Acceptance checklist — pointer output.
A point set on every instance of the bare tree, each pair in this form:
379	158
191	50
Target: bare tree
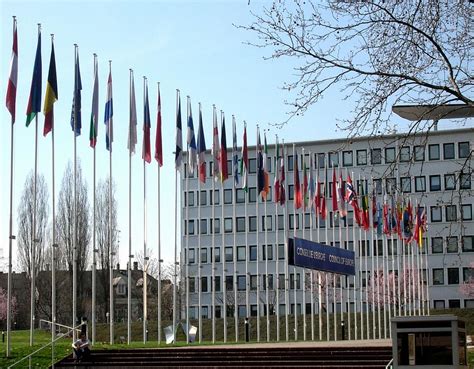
375	53
26	240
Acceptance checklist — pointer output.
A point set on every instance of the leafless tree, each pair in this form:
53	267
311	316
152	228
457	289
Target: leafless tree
375	53
26	240
152	262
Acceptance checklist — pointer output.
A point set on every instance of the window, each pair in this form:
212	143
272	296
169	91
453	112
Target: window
361	157
252	224
419	153
191	256
268	250
229	283
252	194
241	282
453	275
229	253
218	309
190	199
449	182
227	196
433	152
437	245
291	221
216	225
217	254
405	154
269	164
192	284
463	150
438	276
239	196
270	282
242	311
268	225
290	163
281	251
292	281
190	227
203	198
204	255
451	215
252	165
377	183
347	159
390	185
291	192
405	184
465	181
253	310
253	252
466	212
240	253
469	303
215	199
321	160
228	225
281	282
307	221
439	304
467	274
333	159
468	243
229	167
281	222
420	184
240	224
454	304
376	156
204	284
435	183
448	151
253	282
452	244
389	155
203	226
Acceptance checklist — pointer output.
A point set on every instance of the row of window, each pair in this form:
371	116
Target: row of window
451	275
450	213
389	155
272	252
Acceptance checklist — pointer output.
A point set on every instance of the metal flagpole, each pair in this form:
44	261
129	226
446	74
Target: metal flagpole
311	227
234	195
176	204
74	225
223	256
285	241
267	284
357	255
247	196
303	308
295	224
145	257
94	225
428	307
360	248
111	252
158	221
340	246
326	240
213	262
372	260
187	174
335	218
377	266
366	259
257	148
277	259
346	278
129	266
320	290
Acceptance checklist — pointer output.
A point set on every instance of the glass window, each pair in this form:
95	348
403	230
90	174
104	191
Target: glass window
453	275
203	198
433	152
405	184
377	185
463	150
448	151
437	245
468	243
439	304
229	253
192	285
449	182
469	303
361	157
420	184
253	253
190	199
454	304
190	227
465	181
389	155
253	224
333	159
191	256
405	154
438	276
252	165
269	223
269	163
240	253
239	195
347	159
228	225
281	251
291	221
204	255
466	212
393	249
229	283
216	225
252	194
281	222
253	282
270	283
267	251
204	285
227	196
436	215
217	255
290	162
467	274
452	244
435	183
376	156
240	224
321	160
214	200
451	215
292	281
203	226
241	282
419	152
229	167
390	185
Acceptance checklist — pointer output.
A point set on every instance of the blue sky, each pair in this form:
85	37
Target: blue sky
190	45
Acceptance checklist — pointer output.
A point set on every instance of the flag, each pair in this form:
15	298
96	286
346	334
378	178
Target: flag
132	128
235	153
282	191
334	191
244	161
351	198
317	197
76	123
215	148
266	180
408	223
108	115
13	79
201	150
420	225
223	154
260	173
276	182
311	188
386	219
158	140
34	102
191	141
365	208
178	156
341	204
51	95
146	152
322	209
298	202
93	131
305	185
375	220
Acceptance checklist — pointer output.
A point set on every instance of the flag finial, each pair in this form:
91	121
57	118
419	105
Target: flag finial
52	37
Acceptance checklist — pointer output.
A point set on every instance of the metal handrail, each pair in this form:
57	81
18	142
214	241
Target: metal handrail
60	325
389	365
41	348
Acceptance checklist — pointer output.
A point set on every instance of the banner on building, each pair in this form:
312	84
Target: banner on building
317	256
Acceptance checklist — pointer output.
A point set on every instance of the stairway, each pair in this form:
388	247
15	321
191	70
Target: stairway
250	356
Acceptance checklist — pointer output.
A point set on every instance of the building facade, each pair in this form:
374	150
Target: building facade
233	241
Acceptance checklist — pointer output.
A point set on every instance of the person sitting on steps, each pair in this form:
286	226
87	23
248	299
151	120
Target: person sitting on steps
81	348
